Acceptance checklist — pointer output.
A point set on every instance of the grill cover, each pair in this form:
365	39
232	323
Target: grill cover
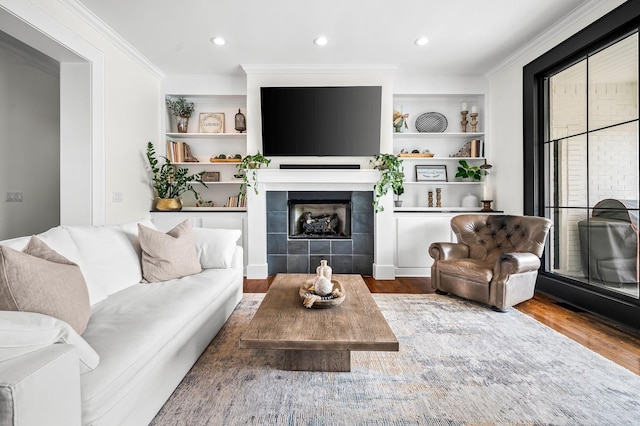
609	242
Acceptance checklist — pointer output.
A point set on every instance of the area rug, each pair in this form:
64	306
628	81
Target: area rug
459	363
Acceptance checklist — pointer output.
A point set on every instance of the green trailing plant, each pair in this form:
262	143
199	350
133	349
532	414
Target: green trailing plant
391	178
170	181
248	167
472	172
181	107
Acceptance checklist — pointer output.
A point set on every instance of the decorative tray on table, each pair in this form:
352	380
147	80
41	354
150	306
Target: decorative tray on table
312	300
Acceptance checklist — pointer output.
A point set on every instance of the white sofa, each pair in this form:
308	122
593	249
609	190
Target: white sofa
140	341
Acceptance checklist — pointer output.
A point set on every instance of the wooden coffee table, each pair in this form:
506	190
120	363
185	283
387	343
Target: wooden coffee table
318	339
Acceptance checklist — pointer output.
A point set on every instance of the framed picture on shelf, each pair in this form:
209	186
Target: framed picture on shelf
431	173
211	122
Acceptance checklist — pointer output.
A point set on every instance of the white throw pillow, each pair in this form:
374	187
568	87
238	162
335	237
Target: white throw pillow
216	246
111	260
24	332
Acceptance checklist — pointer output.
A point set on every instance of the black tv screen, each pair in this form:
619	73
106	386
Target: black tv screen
321	121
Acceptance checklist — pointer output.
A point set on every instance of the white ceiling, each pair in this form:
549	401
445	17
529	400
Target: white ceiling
467	37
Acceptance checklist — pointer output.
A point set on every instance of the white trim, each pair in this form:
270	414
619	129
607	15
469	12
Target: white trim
553	33
101	27
31	25
318	69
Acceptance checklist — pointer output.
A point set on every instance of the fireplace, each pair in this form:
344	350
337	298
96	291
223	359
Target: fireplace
318	217
305	227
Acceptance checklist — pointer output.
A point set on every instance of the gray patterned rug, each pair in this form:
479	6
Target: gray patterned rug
459	364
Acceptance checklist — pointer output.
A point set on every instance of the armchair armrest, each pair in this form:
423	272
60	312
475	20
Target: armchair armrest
516	263
445	251
41	387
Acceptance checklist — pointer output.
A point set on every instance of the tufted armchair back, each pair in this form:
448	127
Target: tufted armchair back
490	236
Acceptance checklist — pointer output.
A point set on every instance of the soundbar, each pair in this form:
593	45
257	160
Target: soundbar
319	166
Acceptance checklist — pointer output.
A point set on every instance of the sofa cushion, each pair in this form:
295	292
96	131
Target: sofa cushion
215	247
110	257
24	332
168	256
38	279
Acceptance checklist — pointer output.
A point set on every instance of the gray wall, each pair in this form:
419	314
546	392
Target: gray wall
29	143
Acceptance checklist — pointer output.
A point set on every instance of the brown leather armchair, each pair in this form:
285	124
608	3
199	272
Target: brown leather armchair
495	261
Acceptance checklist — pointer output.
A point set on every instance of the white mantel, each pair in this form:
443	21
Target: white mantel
316	180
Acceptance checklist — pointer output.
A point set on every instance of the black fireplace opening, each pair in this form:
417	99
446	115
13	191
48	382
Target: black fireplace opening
325	215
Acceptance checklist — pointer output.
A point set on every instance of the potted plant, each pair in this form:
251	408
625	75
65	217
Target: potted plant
475	173
391	177
250	164
182	109
398	190
170	182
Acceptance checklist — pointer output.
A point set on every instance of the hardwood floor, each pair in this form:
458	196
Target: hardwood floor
613	341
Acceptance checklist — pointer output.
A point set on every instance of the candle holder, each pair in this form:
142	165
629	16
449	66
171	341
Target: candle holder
464	121
438	197
430	199
474	122
486	205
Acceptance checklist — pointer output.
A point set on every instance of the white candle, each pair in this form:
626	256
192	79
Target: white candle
474	109
487	190
464	107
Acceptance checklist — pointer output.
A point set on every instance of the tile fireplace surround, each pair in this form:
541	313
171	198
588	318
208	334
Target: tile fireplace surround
373	253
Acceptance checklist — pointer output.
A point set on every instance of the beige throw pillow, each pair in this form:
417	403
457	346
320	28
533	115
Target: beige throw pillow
168	256
40	280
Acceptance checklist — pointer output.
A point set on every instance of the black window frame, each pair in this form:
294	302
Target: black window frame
598	35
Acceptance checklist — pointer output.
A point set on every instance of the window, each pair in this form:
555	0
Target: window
582	164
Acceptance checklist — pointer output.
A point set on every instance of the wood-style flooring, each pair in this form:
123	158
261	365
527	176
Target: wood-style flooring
613	341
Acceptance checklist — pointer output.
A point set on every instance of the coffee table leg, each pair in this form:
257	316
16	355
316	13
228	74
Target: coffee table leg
307	360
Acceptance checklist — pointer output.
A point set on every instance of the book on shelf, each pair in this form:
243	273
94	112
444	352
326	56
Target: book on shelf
237	201
180	152
477	148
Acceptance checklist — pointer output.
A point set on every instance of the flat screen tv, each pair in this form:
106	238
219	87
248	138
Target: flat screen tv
321	121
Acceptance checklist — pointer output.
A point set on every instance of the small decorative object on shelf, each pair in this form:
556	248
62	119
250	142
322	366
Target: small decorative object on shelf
182	109
241	122
469	200
169	181
464	110
430	199
211	176
474	119
431	122
251	163
391	177
399	120
211	122
438	197
486	205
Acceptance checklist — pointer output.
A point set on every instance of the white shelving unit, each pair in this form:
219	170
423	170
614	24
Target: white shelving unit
205	145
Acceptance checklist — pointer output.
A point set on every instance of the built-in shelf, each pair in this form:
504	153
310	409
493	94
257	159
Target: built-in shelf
442	183
438	135
214	209
204	135
440	158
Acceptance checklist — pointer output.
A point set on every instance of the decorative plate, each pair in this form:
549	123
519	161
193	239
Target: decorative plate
327	301
432	122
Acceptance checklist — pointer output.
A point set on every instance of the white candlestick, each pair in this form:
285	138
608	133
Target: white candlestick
487	191
464	107
474	109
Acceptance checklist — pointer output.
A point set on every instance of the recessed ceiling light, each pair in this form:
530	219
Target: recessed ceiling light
320	41
421	41
218	41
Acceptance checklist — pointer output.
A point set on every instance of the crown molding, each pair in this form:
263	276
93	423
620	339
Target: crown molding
101	27
27	53
552	33
318	68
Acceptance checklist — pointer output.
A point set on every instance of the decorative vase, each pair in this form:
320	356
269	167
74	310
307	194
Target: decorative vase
324	270
169	204
397	203
183	123
470	200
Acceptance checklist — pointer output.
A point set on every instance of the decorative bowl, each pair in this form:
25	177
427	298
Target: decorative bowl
312	300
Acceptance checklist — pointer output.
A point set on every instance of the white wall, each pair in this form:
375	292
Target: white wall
131	110
29	146
505	104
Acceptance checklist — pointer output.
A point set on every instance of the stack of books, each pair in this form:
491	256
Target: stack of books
237	201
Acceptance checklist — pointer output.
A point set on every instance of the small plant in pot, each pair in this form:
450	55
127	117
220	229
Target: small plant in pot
170	181
182	109
398	190
248	167
391	177
467	172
